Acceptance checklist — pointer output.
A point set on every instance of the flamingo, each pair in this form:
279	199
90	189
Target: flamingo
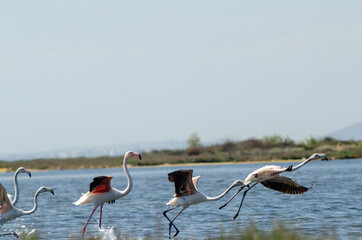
16	195
187	194
8	212
100	190
269	176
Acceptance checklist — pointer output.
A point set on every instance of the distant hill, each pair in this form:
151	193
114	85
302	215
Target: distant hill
109	150
353	132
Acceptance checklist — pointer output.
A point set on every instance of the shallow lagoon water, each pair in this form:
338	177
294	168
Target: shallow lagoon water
332	206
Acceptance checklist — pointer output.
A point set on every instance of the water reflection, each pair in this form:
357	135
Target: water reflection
333	204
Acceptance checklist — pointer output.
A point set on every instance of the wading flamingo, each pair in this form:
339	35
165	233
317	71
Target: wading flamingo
269	176
16	194
187	194
100	190
9	212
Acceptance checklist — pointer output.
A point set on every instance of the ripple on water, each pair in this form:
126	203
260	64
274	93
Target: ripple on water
335	207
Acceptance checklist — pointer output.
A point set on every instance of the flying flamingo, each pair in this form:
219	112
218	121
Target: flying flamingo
269	176
100	190
187	193
9	212
16	195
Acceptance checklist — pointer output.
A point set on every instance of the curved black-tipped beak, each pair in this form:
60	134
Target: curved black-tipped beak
29	174
139	156
52	191
326	158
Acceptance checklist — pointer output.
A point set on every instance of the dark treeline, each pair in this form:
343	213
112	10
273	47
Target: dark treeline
269	148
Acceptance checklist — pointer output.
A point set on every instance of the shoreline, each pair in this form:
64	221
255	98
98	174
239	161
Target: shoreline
221	163
4	170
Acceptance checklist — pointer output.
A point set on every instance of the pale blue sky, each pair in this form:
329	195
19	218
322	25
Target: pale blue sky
92	73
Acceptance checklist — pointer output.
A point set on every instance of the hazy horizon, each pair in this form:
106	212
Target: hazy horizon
89	73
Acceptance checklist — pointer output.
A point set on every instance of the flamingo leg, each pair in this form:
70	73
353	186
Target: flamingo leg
11	234
171	221
242	200
85	225
175	219
241	188
100	216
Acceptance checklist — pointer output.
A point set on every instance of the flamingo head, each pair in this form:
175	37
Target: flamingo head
321	156
238	183
252	177
46	189
23	170
132	154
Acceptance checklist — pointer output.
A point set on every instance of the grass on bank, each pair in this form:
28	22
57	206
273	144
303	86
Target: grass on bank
251	150
278	231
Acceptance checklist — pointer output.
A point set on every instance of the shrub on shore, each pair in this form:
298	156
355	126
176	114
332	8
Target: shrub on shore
251	150
278	231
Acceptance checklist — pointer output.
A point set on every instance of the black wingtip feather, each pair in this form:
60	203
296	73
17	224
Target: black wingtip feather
96	182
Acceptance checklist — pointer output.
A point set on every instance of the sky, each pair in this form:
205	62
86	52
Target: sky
91	73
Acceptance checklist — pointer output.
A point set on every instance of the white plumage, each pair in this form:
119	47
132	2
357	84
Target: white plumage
101	191
187	194
16	188
269	176
8	212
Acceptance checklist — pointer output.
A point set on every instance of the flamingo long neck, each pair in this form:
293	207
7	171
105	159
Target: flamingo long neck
221	195
35	204
129	179
16	196
301	164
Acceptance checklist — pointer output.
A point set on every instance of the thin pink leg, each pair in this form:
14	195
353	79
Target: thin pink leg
83	230
100	217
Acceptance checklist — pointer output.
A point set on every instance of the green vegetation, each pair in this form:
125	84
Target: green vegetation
277	231
194	140
270	148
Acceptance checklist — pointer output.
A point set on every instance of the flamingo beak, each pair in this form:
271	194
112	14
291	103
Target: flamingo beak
29	173
52	191
139	156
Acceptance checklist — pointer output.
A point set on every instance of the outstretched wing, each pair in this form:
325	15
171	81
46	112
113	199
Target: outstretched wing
100	184
284	185
5	204
183	182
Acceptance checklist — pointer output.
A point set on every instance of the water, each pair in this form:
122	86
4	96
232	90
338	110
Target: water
332	206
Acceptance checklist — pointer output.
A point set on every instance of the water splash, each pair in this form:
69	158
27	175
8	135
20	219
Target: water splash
32	234
107	234
26	233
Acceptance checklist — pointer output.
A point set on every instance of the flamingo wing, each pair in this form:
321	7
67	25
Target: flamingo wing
100	184
195	180
5	204
184	185
284	185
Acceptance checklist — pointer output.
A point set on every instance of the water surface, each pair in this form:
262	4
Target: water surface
333	205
